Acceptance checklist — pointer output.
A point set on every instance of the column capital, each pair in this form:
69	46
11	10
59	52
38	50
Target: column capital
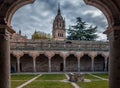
79	54
64	54
34	54
18	57
49	54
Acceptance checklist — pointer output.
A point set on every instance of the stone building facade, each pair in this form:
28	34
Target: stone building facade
112	12
58	55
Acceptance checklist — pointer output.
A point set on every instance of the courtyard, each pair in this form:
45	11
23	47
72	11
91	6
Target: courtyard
59	80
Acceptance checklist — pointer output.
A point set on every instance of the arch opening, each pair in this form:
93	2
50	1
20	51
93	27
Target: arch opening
57	63
99	63
13	60
26	63
41	63
90	16
85	63
71	63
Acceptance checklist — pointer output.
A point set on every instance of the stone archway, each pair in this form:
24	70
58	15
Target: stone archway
7	9
56	63
71	63
42	63
111	9
26	63
99	63
112	12
85	63
13	61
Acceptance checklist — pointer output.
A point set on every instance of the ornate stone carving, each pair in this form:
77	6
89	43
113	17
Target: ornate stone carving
4	34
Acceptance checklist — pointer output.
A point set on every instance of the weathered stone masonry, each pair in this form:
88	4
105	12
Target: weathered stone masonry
59	61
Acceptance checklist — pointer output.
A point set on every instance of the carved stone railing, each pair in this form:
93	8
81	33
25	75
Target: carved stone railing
61	45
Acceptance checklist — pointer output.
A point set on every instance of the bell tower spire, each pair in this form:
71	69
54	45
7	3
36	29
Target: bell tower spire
59	11
59	31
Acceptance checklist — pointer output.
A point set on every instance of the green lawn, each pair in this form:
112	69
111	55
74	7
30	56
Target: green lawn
47	81
22	77
54	81
102	75
92	78
94	84
48	84
15	83
17	80
52	77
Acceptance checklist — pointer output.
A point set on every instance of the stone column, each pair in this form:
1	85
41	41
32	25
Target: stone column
64	64
114	60
105	69
49	45
49	64
18	64
34	64
92	67
4	58
78	64
64	45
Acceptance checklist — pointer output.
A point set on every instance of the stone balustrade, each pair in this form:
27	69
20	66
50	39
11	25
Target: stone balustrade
61	45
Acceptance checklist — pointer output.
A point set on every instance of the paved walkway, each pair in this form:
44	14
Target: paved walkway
73	83
26	83
98	77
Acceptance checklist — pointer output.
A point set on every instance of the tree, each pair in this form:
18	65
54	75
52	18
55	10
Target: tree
81	31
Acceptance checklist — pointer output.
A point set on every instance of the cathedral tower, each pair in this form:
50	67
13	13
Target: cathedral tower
59	31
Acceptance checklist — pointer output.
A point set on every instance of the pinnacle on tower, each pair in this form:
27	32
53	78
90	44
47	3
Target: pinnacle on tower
35	31
19	32
59	11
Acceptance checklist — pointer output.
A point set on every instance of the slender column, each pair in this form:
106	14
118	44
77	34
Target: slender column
92	67
49	45
64	45
105	69
4	59
34	64
78	64
49	64
64	64
18	64
114	60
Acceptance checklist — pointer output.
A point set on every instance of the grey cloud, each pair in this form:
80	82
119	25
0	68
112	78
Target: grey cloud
40	15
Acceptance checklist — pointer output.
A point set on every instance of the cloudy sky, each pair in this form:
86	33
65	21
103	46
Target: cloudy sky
40	15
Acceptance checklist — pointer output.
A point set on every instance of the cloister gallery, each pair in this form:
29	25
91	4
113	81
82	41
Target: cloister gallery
110	8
